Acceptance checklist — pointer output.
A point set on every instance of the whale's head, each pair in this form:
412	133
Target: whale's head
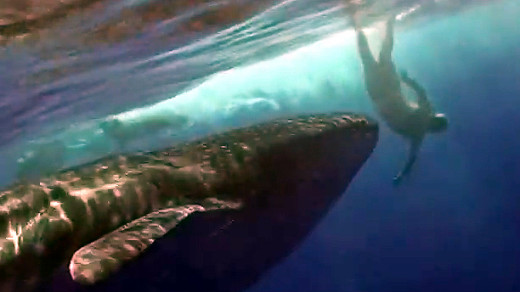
288	153
326	148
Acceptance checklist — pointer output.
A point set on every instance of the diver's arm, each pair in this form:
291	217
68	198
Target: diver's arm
422	98
412	156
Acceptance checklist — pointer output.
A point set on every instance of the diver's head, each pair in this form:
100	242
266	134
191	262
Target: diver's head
438	123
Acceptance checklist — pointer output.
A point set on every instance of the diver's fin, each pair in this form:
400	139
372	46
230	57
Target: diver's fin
99	259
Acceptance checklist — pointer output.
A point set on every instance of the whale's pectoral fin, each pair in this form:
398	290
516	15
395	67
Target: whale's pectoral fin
99	259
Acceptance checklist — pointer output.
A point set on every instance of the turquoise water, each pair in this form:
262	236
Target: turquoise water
451	226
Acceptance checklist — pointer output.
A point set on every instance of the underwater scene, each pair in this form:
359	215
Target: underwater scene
260	145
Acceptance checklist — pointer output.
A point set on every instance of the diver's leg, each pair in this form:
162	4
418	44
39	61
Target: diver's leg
367	59
364	51
385	56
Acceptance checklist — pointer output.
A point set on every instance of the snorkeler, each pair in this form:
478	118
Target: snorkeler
383	84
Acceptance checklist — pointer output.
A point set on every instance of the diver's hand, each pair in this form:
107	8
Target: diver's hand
397	179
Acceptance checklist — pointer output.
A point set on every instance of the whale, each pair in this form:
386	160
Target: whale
215	212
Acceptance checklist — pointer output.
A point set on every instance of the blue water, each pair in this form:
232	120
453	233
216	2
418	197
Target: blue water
453	225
